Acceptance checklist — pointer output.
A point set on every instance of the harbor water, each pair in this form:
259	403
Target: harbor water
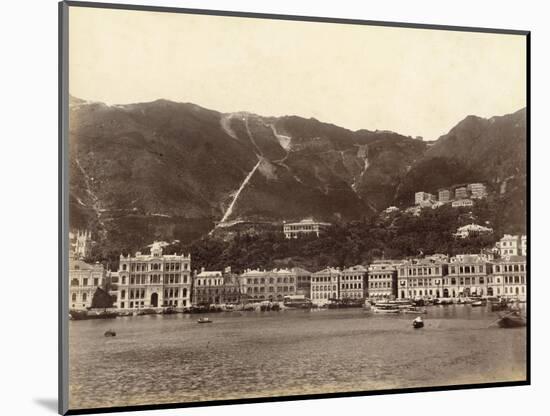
157	359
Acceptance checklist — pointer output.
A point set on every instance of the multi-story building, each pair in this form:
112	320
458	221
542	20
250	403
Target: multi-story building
468	276
509	278
444	195
306	226
84	279
477	190
303	281
215	287
472	229
421	278
461	192
325	285
80	244
420	197
512	245
154	280
462	203
273	285
353	283
382	280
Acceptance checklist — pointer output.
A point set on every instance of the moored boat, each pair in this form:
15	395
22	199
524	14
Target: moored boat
385	308
204	321
512	320
418	323
110	333
77	315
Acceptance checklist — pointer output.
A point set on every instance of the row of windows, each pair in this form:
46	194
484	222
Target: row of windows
271	280
324	296
466	269
261	289
355	277
230	289
381	276
351	286
380	284
74	282
143	267
154	279
322	279
419	271
322	288
74	297
510	268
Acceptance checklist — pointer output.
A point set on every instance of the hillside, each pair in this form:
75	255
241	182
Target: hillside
167	170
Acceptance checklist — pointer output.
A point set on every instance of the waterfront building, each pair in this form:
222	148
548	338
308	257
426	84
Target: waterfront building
382	280
477	190
512	245
472	229
80	244
353	283
154	280
303	282
444	195
461	192
420	197
462	203
325	285
216	287
421	278
509	279
273	285
84	279
306	226
468	276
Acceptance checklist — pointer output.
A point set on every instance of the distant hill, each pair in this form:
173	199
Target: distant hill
167	170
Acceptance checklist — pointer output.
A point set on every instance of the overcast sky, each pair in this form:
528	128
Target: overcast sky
412	81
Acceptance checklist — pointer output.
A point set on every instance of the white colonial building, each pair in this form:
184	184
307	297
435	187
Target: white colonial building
325	285
509	279
307	226
84	279
154	280
472	229
512	245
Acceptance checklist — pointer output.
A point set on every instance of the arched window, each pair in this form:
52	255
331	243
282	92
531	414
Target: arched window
74	297
84	297
74	282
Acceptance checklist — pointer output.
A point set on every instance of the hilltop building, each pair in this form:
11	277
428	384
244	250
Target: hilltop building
80	244
461	192
444	195
462	203
420	197
84	279
306	226
477	190
154	280
472	229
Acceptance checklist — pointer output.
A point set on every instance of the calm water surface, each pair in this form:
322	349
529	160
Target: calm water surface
171	358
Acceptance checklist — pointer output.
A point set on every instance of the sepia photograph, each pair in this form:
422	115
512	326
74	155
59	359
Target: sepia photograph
262	207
